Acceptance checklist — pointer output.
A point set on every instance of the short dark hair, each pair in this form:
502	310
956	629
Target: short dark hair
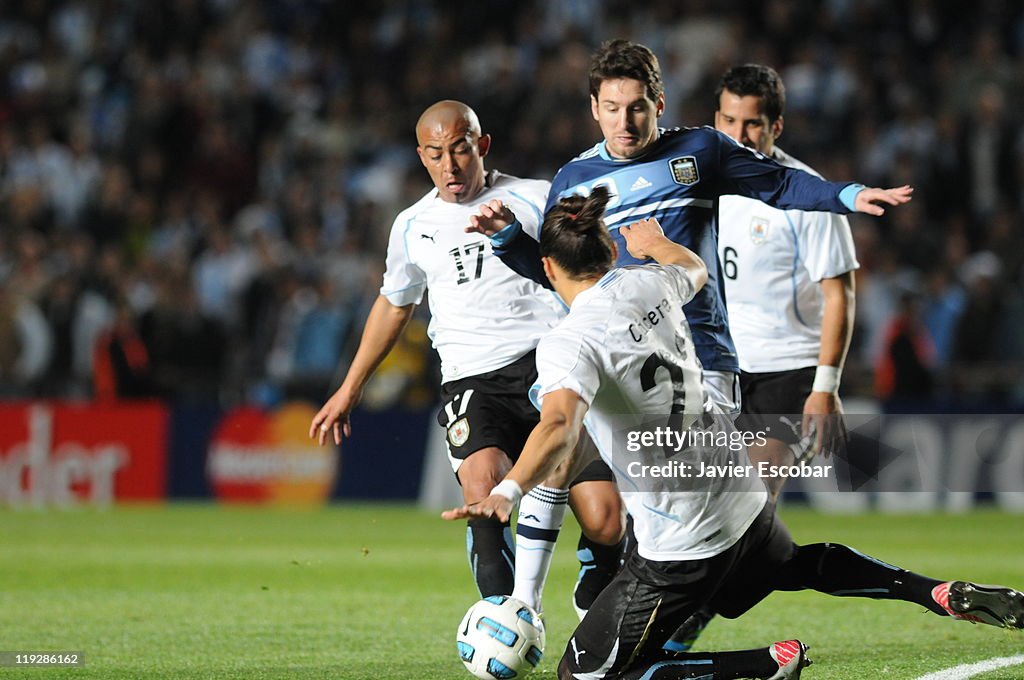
574	235
625	59
755	80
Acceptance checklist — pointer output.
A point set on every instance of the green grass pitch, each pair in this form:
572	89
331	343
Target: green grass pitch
369	592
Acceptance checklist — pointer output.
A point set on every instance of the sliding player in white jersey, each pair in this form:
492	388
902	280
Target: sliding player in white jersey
621	359
485	324
789	287
676	176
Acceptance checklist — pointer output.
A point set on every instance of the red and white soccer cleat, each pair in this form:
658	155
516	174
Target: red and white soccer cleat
791	656
994	605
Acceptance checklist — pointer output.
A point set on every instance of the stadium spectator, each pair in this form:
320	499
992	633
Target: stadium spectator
110	111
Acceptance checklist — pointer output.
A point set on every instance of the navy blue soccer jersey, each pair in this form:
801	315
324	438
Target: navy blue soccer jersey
678	181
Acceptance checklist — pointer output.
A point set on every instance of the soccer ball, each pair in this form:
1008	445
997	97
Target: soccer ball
500	637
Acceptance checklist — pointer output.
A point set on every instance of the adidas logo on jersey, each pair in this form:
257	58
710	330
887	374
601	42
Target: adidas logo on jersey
639	184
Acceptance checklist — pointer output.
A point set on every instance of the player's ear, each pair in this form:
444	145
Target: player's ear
777	128
615	252
419	152
659	106
483	144
593	107
548	271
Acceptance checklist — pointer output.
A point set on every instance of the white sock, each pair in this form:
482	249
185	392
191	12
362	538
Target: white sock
540	519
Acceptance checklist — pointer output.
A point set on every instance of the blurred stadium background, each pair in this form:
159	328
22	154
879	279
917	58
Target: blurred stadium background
195	197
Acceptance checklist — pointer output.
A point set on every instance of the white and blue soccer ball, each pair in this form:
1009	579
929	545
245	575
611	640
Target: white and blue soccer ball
499	638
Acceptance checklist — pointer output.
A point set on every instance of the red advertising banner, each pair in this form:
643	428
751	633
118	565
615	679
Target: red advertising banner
93	454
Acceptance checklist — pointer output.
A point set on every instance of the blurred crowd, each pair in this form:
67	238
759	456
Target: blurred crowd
195	195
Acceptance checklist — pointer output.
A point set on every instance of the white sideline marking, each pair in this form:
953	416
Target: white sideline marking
972	669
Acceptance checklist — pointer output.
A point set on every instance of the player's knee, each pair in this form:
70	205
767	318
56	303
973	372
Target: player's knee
481	471
605	525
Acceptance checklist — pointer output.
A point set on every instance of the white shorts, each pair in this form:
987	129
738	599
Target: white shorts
723	390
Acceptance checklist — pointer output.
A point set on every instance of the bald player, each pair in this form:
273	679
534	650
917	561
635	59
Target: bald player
485	324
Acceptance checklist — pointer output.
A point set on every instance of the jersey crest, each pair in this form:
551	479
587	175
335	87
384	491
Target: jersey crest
458	432
759	230
684	170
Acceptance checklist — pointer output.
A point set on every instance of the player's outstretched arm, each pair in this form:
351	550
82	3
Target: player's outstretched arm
870	200
551	443
646	239
492	217
383	326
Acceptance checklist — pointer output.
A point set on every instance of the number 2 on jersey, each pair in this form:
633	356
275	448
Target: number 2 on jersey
460	266
675	373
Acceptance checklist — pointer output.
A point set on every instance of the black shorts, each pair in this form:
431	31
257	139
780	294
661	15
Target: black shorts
774	402
636	614
595	471
490	409
494	409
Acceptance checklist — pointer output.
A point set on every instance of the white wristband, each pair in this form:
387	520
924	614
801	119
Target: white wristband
509	489
826	379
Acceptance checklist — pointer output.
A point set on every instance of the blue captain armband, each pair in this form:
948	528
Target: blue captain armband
848	196
502	238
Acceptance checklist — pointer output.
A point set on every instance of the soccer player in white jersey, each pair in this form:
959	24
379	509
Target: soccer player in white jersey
788	287
624	355
485	324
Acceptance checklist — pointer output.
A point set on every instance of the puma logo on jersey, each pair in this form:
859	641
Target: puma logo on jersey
639	184
430	236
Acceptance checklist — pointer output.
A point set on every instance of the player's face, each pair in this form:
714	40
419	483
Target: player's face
627	116
453	155
742	119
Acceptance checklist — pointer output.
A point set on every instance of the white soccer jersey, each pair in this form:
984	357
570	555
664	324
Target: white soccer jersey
483	315
625	348
773	261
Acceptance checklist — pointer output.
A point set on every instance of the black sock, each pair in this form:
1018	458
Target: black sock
840	570
598	565
491	556
752	663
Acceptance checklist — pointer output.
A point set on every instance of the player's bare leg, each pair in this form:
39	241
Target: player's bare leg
774	452
488	541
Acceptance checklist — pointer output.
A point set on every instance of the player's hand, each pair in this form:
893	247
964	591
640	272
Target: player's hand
868	200
642	236
333	417
823	415
494	506
492	218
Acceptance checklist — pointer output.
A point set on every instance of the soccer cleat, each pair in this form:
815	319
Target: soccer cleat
791	656
993	605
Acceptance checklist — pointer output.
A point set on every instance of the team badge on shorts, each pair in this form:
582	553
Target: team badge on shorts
458	432
684	170
759	230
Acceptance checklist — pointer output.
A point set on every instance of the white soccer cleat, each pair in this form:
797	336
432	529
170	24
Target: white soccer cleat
791	655
992	605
